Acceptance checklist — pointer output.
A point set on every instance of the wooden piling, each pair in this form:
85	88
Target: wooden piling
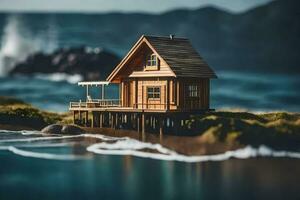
100	120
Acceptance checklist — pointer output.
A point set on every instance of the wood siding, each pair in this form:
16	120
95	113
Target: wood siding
135	94
201	101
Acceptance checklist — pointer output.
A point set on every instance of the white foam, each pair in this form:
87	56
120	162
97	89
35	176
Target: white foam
61	144
134	147
39	139
129	146
23	132
57	77
44	155
39	145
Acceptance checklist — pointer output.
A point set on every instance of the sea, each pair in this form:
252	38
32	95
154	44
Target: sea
94	166
256	92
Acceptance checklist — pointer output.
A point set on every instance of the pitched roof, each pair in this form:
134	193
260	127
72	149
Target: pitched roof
178	53
182	58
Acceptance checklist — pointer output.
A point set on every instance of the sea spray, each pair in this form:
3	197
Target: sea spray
16	44
18	41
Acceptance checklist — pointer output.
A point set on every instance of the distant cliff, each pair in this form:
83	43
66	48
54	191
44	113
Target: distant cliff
92	64
266	38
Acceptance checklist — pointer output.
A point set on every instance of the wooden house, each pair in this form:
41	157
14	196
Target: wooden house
158	75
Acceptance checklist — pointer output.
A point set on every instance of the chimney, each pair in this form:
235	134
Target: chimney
171	36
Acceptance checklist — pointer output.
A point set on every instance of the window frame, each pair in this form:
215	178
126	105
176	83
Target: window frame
151	62
154	94
193	91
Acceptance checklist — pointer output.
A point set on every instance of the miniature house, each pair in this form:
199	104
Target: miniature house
158	74
163	73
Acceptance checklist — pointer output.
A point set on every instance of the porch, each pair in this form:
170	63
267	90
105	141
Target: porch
102	103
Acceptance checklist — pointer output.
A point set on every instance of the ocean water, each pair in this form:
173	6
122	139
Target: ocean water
37	166
249	91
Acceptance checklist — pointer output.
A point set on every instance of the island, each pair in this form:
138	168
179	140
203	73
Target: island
212	132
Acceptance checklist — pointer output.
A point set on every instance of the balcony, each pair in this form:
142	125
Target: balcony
96	103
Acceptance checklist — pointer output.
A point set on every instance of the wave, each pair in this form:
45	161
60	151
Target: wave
18	41
58	77
45	155
55	137
129	146
134	148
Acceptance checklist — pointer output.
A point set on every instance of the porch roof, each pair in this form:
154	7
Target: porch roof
93	83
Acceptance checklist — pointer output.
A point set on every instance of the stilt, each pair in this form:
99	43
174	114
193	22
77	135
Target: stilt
80	118
112	120
117	123
92	120
100	120
143	126
86	118
161	125
74	117
138	123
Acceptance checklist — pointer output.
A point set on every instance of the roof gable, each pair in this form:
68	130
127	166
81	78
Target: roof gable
177	53
182	58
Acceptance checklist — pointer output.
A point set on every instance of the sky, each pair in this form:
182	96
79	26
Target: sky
152	6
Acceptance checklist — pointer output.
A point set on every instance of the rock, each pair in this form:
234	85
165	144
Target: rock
72	130
92	64
63	129
52	129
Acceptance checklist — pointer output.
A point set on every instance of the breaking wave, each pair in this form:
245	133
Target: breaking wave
124	146
18	41
44	155
57	77
134	148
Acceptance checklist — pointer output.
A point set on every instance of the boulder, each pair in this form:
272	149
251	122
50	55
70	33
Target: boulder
72	130
52	129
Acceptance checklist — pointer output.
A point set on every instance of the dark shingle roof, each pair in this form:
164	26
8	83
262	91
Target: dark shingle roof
181	57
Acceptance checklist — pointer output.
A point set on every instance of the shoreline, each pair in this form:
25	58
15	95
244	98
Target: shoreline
209	133
186	145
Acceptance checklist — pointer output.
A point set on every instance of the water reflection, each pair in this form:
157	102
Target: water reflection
128	177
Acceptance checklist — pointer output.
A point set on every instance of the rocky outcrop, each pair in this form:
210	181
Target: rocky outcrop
52	129
72	130
92	64
62	129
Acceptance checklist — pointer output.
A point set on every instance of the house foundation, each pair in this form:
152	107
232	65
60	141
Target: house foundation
140	121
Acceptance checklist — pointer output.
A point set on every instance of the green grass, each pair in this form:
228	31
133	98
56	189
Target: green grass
278	130
17	112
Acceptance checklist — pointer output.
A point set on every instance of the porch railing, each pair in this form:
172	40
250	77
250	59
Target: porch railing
96	103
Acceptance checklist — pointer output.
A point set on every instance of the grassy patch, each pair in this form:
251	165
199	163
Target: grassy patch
16	112
278	130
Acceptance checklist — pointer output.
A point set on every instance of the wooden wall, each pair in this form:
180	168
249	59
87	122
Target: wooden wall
199	102
176	90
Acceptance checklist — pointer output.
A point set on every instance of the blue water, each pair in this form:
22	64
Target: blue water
74	168
251	91
35	166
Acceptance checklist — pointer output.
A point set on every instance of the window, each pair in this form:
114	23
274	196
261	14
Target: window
153	92
151	60
193	91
